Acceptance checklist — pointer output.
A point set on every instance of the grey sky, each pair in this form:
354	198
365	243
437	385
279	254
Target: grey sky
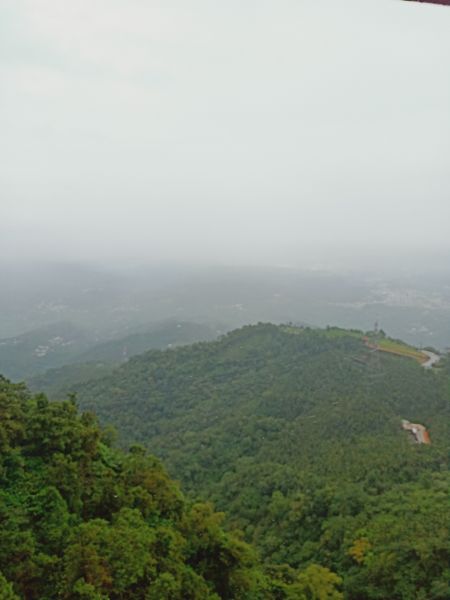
227	130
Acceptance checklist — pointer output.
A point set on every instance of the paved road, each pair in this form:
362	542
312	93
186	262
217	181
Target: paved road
432	359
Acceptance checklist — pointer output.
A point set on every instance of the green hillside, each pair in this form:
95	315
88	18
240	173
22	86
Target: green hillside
41	349
58	382
73	354
296	433
80	520
100	359
160	336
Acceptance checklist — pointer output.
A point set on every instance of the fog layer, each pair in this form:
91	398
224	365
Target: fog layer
232	132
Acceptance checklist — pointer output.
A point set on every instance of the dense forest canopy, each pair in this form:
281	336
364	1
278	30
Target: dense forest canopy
296	434
80	520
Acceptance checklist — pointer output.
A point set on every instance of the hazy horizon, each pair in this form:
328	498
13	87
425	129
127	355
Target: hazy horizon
228	134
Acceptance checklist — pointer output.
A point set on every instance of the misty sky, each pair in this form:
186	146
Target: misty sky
232	131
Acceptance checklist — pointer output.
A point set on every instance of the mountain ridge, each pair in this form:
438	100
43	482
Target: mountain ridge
297	434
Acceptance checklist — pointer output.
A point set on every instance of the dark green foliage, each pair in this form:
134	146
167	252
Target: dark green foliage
296	434
54	381
101	358
6	590
80	520
160	336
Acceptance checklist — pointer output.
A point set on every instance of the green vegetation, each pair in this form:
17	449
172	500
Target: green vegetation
100	360
298	439
335	332
160	336
82	521
401	349
74	354
58	382
330	332
383	343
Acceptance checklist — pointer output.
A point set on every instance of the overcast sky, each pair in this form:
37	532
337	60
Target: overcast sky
234	130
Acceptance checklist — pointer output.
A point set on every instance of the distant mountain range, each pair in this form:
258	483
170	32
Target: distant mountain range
112	303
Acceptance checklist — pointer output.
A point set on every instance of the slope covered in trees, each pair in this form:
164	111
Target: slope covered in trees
296	433
65	349
100	359
80	520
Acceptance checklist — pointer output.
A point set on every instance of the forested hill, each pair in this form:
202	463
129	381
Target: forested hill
296	433
82	521
74	352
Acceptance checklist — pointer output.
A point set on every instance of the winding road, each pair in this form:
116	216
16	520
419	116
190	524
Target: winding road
432	359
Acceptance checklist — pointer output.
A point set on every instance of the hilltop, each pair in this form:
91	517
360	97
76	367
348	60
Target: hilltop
296	433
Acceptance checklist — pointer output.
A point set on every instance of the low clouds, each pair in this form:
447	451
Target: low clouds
236	130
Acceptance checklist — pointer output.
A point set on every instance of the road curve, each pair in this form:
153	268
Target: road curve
432	359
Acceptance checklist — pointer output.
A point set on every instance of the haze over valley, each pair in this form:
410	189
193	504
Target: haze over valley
224	300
